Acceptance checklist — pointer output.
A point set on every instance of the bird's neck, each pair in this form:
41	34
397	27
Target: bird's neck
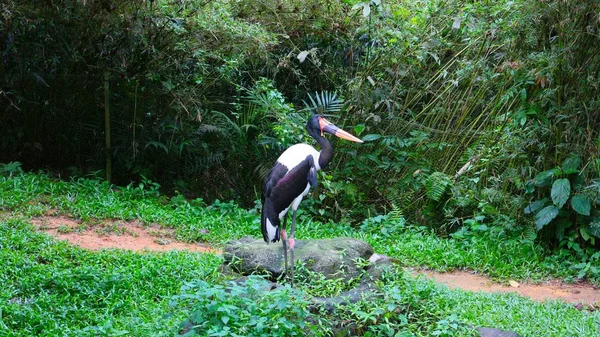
326	151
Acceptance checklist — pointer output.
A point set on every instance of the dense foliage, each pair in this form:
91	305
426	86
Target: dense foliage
476	115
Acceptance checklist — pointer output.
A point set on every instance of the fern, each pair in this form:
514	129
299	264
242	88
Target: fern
208	128
396	212
157	145
399	198
529	233
436	185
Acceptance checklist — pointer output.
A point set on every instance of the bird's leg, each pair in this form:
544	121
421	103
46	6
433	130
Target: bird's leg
292	244
284	241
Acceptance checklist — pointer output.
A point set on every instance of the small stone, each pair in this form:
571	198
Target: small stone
163	241
491	332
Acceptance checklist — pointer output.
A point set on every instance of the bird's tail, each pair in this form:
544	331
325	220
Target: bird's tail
269	222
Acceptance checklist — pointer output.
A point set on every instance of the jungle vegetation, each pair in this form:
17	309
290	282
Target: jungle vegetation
482	142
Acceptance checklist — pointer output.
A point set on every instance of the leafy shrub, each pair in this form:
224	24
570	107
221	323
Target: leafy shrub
248	309
572	204
9	169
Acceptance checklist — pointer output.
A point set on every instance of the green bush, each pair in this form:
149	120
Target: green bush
247	309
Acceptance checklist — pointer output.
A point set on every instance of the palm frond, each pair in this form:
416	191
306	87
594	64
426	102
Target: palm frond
324	102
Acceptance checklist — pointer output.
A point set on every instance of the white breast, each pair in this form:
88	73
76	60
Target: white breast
297	153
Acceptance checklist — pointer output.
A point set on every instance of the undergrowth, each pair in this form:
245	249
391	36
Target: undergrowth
500	253
51	288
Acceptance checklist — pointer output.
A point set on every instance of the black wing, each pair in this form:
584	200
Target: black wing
268	207
275	174
281	187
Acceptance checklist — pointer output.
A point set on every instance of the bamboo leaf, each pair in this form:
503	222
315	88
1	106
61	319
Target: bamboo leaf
371	137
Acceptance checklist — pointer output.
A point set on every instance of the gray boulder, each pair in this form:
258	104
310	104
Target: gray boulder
334	258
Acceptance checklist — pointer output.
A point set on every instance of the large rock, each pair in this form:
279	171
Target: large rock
334	258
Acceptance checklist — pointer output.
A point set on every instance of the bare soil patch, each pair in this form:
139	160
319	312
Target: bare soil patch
583	294
129	235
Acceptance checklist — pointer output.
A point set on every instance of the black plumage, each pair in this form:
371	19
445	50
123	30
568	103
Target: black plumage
290	179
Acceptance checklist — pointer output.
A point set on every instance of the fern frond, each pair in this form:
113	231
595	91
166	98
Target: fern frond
436	185
208	128
529	233
227	124
396	212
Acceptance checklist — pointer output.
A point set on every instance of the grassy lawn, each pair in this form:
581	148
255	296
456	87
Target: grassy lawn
53	289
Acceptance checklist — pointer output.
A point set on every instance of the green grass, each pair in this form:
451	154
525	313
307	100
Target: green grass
498	256
50	288
503	311
426	307
37	194
407	307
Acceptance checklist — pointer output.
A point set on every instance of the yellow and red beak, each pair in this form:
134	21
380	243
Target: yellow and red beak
327	126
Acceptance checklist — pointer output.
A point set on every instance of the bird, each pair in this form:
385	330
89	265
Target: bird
290	179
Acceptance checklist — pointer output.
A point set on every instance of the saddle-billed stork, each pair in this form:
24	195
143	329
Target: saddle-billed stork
290	179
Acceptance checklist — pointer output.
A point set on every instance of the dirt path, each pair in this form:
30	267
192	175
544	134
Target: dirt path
135	236
583	295
120	234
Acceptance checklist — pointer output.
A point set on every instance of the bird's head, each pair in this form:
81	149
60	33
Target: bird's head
318	123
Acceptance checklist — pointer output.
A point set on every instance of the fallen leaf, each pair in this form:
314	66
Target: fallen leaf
513	284
302	55
365	6
456	23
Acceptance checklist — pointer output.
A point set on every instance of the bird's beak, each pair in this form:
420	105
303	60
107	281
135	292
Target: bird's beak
327	126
